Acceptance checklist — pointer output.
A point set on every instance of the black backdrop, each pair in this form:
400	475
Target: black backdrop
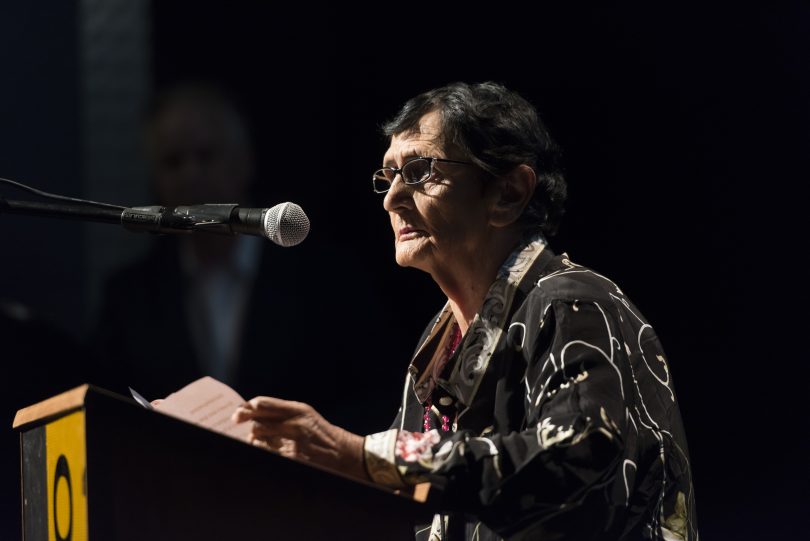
681	129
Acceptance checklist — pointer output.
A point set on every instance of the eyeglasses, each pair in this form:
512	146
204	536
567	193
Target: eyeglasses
415	171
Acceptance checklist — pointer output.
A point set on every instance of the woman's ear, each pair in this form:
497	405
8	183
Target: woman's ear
514	190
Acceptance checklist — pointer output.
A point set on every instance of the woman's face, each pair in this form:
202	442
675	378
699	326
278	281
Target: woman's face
441	225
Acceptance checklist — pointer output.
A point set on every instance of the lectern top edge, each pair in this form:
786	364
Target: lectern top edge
76	399
55	405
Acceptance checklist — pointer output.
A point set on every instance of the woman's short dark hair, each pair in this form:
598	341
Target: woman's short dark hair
497	130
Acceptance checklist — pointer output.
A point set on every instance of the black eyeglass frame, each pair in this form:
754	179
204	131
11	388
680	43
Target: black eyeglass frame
380	175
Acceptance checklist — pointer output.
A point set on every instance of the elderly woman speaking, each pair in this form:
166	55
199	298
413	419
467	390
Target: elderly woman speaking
539	398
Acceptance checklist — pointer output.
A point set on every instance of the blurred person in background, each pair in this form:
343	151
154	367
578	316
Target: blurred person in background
202	304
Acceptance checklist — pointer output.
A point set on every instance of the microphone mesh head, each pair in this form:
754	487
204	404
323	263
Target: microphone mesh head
286	224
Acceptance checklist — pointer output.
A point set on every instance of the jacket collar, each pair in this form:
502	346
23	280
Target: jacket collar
462	375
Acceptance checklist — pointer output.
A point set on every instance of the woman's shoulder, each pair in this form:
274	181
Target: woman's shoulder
565	280
575	295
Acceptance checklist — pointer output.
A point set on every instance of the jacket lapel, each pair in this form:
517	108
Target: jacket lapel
463	374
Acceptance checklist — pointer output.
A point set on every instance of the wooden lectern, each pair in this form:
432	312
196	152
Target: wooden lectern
98	466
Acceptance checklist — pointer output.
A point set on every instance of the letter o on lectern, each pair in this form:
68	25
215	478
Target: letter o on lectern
62	471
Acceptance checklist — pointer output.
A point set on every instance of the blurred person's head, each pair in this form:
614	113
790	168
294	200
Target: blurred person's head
198	146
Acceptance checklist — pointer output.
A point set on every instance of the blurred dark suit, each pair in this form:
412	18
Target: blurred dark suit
287	347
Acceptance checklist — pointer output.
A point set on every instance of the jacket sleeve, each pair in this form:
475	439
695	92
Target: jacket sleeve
568	451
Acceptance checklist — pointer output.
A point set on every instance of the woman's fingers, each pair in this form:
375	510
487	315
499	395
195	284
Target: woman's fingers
275	430
242	414
283	446
271	442
277	418
265	407
275	404
296	430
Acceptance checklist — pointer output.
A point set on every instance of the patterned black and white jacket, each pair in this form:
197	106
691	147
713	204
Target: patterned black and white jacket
555	418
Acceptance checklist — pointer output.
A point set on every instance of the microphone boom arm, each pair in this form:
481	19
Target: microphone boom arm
60	210
285	224
212	218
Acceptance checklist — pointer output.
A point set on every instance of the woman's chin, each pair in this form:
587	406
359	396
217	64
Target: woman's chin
405	260
407	257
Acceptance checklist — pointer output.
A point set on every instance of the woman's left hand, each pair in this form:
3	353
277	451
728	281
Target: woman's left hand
296	430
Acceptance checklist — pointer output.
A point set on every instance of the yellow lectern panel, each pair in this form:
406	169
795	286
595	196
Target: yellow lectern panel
67	478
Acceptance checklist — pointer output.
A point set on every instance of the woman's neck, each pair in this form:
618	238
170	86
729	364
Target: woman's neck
467	285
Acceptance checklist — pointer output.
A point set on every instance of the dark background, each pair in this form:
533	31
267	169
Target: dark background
682	129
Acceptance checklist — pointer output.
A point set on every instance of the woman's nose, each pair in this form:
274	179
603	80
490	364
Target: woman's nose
398	195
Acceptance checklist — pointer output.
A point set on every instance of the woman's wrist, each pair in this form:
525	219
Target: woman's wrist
351	456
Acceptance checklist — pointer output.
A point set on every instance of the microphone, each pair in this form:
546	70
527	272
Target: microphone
285	224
